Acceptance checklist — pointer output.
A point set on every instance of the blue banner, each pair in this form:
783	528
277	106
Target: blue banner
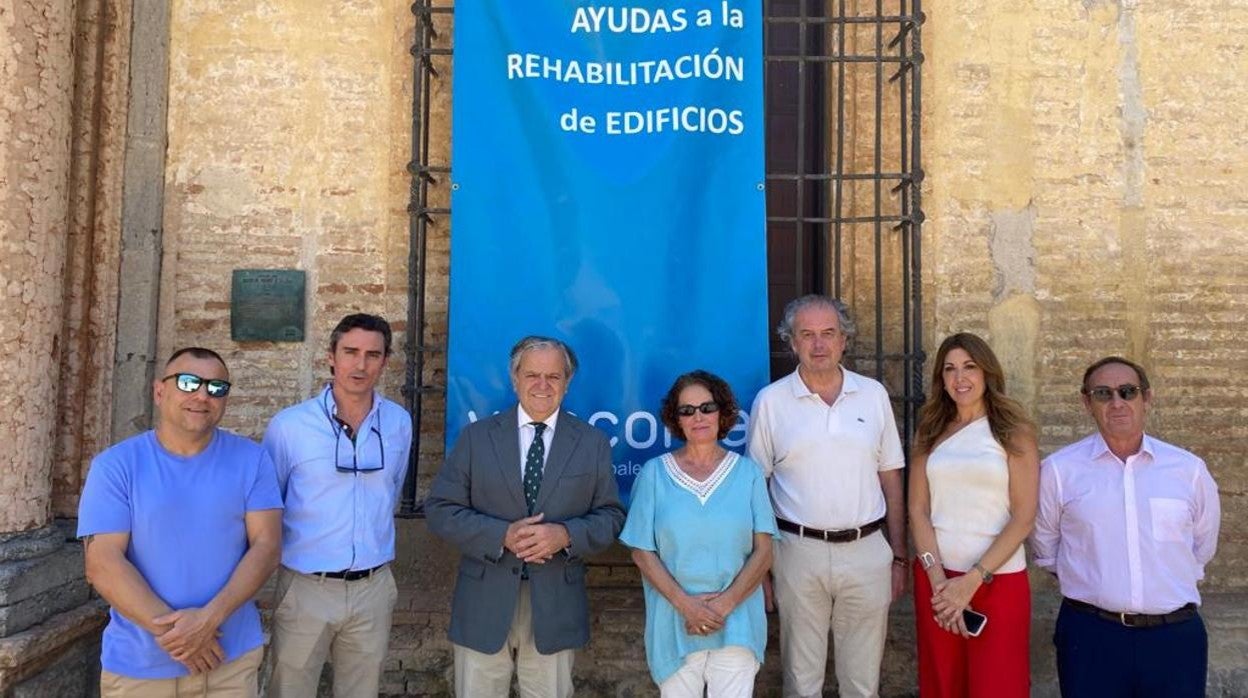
607	167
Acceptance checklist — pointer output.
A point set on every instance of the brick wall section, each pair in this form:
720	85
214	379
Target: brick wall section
1101	137
289	131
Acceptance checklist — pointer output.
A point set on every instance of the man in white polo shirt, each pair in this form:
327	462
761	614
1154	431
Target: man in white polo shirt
828	441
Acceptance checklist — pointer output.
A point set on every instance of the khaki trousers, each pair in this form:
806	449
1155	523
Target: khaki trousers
236	679
480	675
843	586
318	617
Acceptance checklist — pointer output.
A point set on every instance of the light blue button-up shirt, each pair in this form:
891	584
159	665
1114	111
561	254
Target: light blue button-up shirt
337	520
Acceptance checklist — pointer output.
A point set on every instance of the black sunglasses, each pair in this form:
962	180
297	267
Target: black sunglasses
355	459
1104	393
189	383
709	407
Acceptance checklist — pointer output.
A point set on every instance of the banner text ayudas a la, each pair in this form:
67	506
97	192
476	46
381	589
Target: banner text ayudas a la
607	167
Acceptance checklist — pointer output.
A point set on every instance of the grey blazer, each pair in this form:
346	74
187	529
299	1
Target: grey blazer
478	493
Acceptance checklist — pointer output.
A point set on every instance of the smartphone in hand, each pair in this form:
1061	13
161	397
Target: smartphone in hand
975	621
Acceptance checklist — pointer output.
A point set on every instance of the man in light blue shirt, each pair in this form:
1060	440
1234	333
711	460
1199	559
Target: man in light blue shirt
341	458
181	525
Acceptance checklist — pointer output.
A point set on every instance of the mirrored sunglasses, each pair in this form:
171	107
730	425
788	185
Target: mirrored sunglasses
709	407
189	383
1104	393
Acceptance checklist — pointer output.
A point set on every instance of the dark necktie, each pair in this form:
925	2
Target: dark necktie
533	463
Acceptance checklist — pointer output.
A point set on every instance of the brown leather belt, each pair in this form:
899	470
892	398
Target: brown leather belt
847	536
1135	620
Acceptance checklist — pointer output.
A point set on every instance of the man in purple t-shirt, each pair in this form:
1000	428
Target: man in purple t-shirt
181	525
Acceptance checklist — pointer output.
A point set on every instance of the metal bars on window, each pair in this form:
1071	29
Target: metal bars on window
432	64
844	212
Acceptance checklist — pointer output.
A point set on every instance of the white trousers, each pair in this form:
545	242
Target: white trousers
727	672
846	587
480	675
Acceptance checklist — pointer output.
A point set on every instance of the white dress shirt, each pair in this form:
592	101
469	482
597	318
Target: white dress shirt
333	520
1129	537
527	430
824	460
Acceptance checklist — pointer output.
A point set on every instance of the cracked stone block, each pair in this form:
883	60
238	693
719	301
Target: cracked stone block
32	590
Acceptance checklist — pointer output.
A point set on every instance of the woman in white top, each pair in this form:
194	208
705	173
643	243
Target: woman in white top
974	479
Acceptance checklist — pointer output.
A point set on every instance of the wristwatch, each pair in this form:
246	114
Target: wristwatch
927	560
983	573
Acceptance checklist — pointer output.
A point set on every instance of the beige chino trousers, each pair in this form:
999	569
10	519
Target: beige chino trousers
480	675
846	587
236	679
319	618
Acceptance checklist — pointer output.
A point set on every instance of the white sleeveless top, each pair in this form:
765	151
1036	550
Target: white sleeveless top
969	482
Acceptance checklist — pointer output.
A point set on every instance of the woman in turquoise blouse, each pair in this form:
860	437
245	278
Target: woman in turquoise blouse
700	526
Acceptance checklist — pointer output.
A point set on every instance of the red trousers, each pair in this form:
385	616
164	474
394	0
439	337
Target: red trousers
997	663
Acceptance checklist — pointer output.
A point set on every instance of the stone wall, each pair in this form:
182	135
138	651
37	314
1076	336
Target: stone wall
289	133
93	245
1085	198
36	61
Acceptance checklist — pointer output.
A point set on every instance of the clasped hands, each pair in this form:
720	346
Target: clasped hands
535	542
704	614
190	636
949	598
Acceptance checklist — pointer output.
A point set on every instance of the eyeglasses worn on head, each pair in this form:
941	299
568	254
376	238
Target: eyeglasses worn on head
189	383
709	407
1104	393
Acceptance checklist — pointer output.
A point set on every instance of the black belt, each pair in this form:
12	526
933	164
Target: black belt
846	536
349	575
1135	620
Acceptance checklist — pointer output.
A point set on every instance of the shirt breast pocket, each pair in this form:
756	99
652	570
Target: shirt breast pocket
1172	521
394	449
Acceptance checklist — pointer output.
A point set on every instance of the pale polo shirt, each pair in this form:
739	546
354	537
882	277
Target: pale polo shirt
968	476
824	460
1129	537
525	422
333	520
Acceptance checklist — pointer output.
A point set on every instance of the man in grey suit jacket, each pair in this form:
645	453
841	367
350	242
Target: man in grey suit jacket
525	496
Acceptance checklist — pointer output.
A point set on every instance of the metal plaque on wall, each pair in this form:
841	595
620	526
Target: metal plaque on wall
267	305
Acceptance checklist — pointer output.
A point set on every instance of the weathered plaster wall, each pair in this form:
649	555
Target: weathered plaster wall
1086	197
36	88
84	397
288	136
55	202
